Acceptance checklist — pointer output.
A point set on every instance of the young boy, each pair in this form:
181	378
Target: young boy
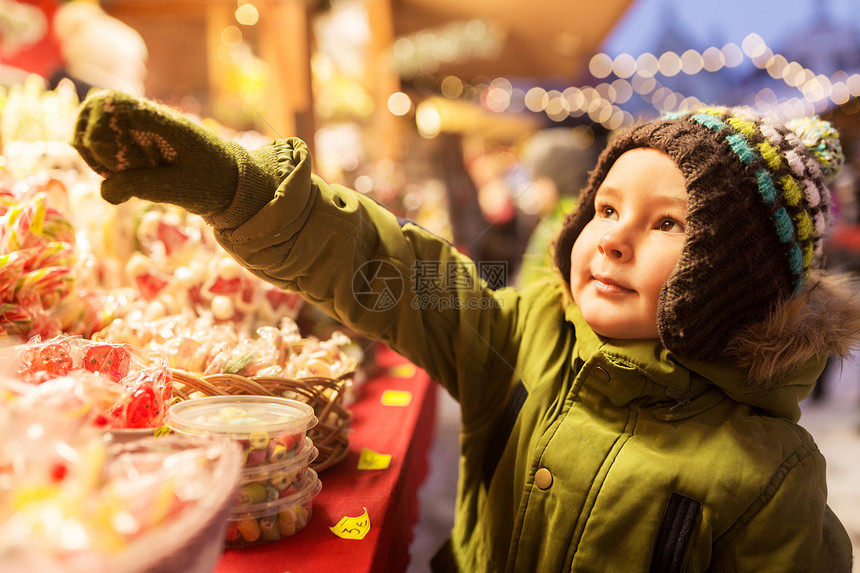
638	415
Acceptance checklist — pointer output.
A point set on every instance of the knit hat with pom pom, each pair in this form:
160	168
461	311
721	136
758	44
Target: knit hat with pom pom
758	209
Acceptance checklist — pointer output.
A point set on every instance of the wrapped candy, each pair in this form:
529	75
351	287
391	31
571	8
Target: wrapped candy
37	260
122	386
177	265
276	303
163	236
149	281
200	345
326	358
230	293
30	223
35	126
88	311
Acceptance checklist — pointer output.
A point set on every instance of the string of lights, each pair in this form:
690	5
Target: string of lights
620	78
626	76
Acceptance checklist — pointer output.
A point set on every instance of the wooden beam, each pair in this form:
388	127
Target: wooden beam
285	46
217	16
383	81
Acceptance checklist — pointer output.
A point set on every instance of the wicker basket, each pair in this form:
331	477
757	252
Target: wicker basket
324	395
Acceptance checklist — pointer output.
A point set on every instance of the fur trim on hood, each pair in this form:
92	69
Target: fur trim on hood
822	321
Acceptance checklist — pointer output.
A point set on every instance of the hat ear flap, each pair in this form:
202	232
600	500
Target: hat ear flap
573	225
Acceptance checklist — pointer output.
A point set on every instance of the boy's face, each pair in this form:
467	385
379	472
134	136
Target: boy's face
627	251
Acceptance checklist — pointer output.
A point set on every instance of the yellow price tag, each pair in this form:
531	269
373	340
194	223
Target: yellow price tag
161	431
396	398
370	460
402	371
352	527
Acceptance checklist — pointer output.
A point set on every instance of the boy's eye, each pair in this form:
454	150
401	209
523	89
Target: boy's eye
669	225
606	212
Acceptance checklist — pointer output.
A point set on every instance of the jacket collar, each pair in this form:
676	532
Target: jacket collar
645	368
646	357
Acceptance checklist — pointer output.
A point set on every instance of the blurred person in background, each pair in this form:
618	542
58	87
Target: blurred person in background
842	249
492	234
558	161
98	50
74	39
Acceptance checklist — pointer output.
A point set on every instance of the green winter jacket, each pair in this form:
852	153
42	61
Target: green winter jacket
577	453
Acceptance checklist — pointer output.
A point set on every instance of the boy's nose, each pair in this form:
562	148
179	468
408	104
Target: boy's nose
613	244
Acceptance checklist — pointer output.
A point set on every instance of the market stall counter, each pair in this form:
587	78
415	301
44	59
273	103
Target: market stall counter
363	518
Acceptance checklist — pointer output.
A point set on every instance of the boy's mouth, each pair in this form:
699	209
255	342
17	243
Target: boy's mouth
609	286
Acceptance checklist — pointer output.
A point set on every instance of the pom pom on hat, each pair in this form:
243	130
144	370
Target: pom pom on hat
822	141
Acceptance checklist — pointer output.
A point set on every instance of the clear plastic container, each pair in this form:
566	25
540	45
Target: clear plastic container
269	429
260	523
147	506
271	481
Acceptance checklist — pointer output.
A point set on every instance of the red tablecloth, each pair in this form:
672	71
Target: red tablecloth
389	495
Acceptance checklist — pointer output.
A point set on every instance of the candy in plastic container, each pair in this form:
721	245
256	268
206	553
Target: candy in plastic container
269	429
279	478
273	520
70	502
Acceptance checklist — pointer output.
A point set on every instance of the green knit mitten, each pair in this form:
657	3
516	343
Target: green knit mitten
148	151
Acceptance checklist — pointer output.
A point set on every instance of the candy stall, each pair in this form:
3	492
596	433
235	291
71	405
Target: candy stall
162	409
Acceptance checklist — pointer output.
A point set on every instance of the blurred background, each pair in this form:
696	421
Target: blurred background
478	119
382	89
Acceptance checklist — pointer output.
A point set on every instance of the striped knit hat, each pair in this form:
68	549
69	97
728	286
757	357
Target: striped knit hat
758	209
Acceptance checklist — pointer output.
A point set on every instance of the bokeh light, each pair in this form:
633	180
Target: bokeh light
399	103
247	14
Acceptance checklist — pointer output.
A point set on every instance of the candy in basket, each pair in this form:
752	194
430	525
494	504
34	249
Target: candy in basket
210	359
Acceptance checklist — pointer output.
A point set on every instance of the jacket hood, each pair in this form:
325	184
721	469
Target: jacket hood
823	321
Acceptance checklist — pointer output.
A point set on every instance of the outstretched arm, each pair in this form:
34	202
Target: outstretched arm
384	277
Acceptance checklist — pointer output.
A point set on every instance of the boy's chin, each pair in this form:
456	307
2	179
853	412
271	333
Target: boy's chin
623	331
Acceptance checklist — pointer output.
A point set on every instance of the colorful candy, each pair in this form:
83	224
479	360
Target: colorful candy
200	345
251	494
254	457
269	529
277	452
273	519
280	478
42	266
249	529
142	380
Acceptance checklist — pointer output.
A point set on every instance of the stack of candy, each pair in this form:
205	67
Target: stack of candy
36	258
200	345
120	386
101	306
35	127
277	487
72	502
175	265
